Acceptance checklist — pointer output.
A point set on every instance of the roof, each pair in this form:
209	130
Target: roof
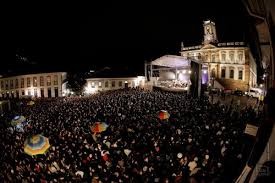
172	61
112	73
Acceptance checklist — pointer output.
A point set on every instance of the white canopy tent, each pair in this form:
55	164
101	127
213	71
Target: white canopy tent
171	61
174	71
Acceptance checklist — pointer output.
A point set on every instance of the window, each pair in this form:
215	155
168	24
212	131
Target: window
240	56
213	58
16	83
223	73
231	56
35	81
120	84
93	84
35	92
49	81
7	85
55	80
22	83
206	57
29	92
23	92
2	85
42	92
106	84
99	85
41	81
213	73
28	82
113	83
240	77
231	74
11	84
223	56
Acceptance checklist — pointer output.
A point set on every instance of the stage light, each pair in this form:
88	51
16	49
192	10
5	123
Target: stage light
204	71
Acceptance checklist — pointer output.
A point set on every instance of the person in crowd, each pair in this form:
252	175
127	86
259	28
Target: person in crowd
198	143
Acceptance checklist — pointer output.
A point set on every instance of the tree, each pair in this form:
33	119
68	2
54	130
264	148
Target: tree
76	82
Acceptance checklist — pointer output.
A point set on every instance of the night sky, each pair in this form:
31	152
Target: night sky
113	33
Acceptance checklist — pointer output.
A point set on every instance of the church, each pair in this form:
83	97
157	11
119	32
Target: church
228	65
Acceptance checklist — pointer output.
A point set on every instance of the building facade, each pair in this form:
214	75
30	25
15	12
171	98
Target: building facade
230	64
95	85
33	85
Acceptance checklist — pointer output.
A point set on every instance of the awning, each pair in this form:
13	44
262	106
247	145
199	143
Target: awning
172	61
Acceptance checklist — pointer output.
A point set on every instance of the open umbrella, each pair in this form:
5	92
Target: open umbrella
30	103
17	120
163	114
99	127
36	144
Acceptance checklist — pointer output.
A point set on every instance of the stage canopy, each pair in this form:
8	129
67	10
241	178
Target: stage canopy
172	61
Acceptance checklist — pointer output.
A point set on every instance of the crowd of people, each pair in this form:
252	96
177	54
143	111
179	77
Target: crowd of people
200	142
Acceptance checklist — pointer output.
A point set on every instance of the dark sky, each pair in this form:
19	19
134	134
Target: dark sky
110	33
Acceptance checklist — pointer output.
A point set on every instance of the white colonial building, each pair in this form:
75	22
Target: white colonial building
231	64
104	84
33	85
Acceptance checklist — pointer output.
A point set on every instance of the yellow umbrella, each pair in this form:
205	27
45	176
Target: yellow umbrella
30	103
36	144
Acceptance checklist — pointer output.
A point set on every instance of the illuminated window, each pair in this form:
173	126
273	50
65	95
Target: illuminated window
113	83
120	84
35	81
55	80
231	74
28	82
22	83
41	81
49	81
223	56
240	56
213	58
16	83
231	56
106	84
35	92
240	77
223	73
206	57
99	85
93	84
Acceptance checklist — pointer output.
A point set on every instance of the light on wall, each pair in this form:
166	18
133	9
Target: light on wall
184	71
189	72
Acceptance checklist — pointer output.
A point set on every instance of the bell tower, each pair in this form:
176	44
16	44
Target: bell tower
210	35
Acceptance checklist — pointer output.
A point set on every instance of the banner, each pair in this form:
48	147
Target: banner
251	130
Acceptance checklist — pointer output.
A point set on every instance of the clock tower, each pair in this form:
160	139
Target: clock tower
210	35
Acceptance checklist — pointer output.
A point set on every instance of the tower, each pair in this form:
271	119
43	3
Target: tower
210	35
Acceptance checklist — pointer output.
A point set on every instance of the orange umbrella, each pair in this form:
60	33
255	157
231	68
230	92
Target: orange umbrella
163	114
99	127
